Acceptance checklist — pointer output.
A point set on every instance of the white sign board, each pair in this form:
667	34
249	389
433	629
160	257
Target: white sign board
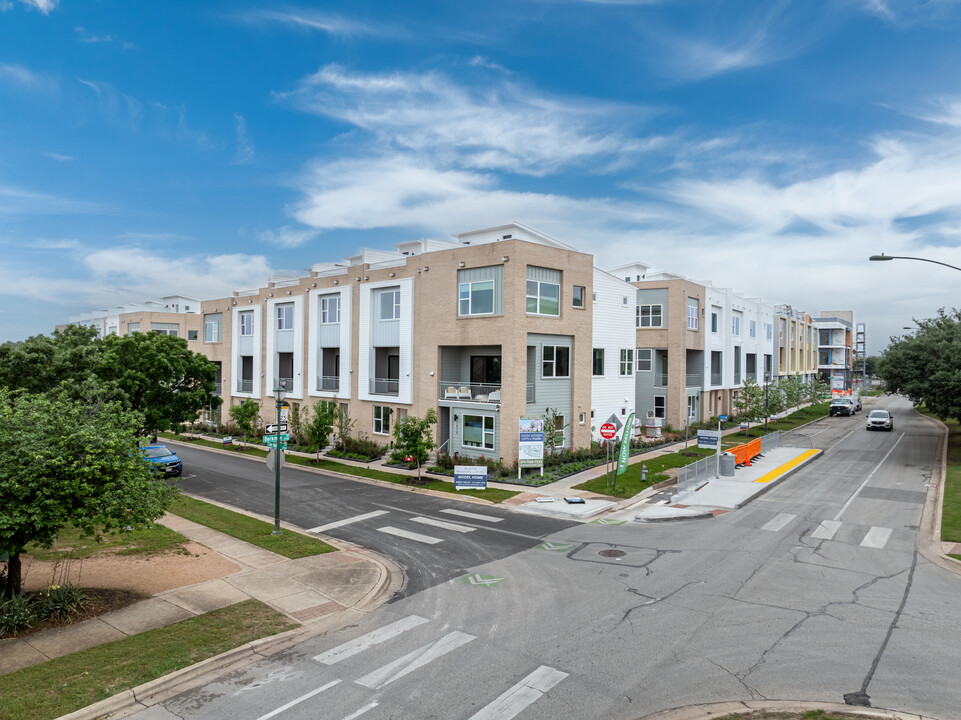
530	450
470	477
708	439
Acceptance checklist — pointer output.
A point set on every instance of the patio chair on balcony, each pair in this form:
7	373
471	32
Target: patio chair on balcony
450	393
494	397
463	393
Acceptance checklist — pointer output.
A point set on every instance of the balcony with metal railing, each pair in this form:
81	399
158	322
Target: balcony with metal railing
328	383
286	383
245	386
716	378
660	379
218	388
384	386
694	380
469	392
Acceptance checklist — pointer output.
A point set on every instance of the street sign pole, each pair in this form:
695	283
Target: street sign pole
280	452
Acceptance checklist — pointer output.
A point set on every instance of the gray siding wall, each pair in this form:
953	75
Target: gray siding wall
647	296
457	434
329	335
543	274
284	340
549	392
643	396
492	272
455	361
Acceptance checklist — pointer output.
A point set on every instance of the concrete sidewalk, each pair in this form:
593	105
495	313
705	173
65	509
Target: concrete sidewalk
308	590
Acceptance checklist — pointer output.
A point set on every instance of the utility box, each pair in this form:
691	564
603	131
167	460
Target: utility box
727	465
652	426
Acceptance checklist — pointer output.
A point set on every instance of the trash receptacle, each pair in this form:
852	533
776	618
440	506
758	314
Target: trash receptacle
727	465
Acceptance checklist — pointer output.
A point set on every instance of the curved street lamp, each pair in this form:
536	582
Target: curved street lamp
882	257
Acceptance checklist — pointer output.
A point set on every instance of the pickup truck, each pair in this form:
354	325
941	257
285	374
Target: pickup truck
842	406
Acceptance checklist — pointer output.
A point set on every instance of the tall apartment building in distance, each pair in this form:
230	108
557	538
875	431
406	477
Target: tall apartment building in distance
489	327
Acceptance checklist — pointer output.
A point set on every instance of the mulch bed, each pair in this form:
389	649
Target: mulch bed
98	602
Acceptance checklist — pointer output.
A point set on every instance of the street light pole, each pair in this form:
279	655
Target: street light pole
882	258
280	392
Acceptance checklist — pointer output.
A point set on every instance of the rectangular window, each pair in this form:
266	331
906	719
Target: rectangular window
752	329
649	316
213	327
598	364
692	311
479	431
543	298
736	325
580	293
285	317
660	406
768	330
133	327
645	359
390	305
330	310
191	334
247	323
714	323
476	298
556	362
692	406
165	329
381	420
627	362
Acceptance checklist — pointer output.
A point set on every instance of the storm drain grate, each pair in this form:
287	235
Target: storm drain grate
612	553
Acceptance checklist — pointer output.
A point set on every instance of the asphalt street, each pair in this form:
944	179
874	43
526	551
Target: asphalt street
815	591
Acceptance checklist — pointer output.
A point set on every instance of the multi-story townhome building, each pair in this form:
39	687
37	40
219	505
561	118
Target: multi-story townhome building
172	315
836	348
796	343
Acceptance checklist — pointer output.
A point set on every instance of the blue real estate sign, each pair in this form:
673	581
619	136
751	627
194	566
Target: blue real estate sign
470	476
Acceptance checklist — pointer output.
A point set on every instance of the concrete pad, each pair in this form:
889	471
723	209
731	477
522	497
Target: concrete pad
260	558
728	494
145	615
266	586
69	639
663	513
299	601
347	585
16	654
205	597
562	509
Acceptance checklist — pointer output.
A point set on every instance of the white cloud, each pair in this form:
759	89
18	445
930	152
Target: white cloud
20	201
114	103
498	127
910	12
245	147
59	157
85	37
44	6
22	77
288	236
307	19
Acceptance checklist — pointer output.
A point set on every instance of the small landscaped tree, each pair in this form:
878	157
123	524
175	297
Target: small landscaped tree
318	424
815	389
414	437
750	400
243	416
794	391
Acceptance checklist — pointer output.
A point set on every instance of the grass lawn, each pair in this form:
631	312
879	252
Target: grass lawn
252	530
627	485
62	685
491	494
155	539
951	514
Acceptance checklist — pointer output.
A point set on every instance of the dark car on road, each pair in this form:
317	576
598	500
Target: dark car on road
163	459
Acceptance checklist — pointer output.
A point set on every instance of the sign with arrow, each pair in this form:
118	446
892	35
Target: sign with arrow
272	429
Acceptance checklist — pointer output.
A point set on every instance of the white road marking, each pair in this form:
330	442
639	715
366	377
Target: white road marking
390	530
348	521
877	537
528	690
778	522
870	475
368	706
308	696
473	516
414	660
826	530
375	637
441	524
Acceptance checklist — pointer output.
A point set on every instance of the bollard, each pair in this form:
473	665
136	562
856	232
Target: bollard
643	473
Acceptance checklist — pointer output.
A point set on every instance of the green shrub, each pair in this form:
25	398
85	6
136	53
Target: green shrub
16	613
357	449
60	601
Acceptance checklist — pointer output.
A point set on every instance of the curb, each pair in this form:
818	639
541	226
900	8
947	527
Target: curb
748	708
777	481
929	544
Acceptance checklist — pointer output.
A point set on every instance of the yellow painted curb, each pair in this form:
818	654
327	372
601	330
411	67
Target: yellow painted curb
775	474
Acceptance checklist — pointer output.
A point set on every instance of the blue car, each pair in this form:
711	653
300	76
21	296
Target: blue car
163	459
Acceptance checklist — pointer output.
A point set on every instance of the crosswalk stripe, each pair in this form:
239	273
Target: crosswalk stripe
528	690
778	522
348	521
361	711
826	530
444	525
877	537
414	660
473	516
390	530
299	700
375	637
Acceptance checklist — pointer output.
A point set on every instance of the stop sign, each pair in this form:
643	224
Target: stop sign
608	431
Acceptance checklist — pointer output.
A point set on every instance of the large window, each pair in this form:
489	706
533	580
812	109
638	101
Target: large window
285	316
598	362
578	297
381	420
736	324
752	329
476	298
649	316
165	329
390	305
556	362
660	406
645	359
543	298
692	406
330	310
768	330
247	323
213	325
479	431
627	362
714	322
692	313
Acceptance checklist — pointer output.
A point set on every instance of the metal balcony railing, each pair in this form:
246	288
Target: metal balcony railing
716	378
660	379
330	383
286	383
384	386
218	388
737	377
750	376
694	379
245	386
468	391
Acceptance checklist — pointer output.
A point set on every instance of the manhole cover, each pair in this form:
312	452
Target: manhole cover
612	553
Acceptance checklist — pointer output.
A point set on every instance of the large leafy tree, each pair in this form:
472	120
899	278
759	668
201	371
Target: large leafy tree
42	362
925	367
70	462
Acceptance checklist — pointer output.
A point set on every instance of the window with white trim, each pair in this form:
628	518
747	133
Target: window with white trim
627	362
479	431
390	305
768	330
650	316
556	361
578	296
381	420
752	329
692	406
285	316
692	313
213	327
330	310
476	298
247	323
165	329
543	298
736	324
598	362
714	317
645	359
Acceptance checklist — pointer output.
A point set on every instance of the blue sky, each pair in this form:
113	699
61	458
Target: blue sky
195	148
